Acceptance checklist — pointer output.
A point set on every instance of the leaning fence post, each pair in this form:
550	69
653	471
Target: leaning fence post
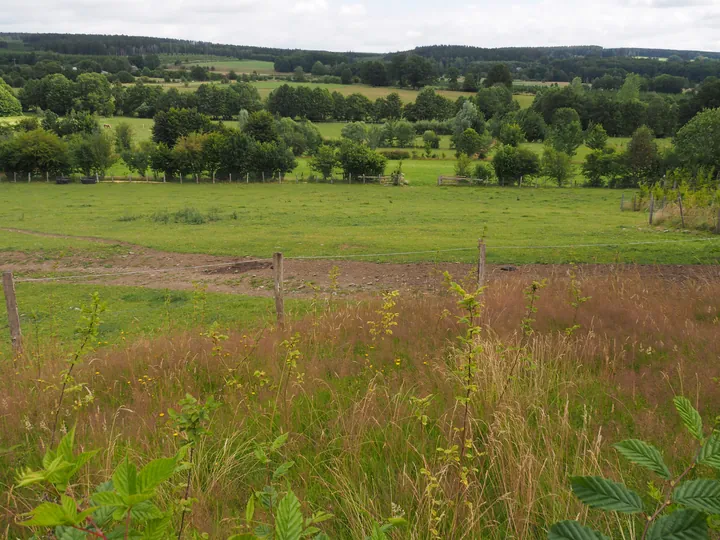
279	301
12	311
481	263
682	216
652	207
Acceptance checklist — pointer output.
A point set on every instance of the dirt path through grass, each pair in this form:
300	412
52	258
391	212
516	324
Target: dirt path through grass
144	267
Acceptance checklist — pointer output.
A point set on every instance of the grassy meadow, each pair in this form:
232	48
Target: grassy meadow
332	220
366	394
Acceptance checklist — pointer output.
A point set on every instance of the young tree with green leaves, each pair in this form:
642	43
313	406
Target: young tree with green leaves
682	504
565	133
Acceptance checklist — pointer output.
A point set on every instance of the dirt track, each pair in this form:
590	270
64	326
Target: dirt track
143	267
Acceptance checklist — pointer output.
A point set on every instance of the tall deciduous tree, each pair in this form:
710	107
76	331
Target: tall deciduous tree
565	133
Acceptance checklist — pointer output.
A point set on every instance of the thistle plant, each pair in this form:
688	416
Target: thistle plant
683	505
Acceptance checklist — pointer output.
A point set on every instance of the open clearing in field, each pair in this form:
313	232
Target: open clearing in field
339	220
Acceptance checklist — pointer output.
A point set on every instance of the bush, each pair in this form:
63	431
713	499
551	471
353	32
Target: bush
396	154
484	172
431	139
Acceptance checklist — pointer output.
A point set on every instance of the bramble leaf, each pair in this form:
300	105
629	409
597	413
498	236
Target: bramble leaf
680	525
573	530
689	416
155	473
598	492
47	515
645	455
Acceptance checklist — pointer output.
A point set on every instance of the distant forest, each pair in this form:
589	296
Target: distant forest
554	64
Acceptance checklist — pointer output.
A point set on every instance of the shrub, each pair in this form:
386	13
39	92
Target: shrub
484	172
396	154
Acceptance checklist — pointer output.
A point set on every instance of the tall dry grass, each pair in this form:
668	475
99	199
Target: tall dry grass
373	419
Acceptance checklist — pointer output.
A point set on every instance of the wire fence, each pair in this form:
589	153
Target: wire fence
489	247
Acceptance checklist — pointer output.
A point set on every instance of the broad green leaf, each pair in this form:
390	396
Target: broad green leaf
250	510
598	492
65	446
261	456
68	533
157	529
310	531
710	452
282	470
279	442
289	520
107	498
377	533
155	473
702	495
645	455
125	478
573	530
47	515
319	517
145	511
69	507
397	521
321	536
263	531
689	416
243	536
680	525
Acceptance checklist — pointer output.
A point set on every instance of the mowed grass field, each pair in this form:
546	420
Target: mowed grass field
520	224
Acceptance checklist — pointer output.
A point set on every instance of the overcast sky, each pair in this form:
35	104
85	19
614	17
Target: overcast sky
383	25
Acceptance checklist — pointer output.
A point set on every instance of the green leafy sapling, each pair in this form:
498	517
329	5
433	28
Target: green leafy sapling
531	297
683	505
577	300
191	421
123	507
281	520
86	333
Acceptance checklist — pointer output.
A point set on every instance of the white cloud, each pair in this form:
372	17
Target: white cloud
310	6
402	24
353	10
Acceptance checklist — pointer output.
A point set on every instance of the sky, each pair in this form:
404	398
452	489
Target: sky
383	25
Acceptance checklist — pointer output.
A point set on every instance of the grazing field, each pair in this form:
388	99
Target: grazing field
222	64
332	220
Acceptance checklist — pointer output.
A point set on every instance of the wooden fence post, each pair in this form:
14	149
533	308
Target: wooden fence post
247	178
481	263
279	301
717	225
231	178
682	216
12	311
652	207
29	178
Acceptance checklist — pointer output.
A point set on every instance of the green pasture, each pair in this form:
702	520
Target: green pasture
52	310
338	220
